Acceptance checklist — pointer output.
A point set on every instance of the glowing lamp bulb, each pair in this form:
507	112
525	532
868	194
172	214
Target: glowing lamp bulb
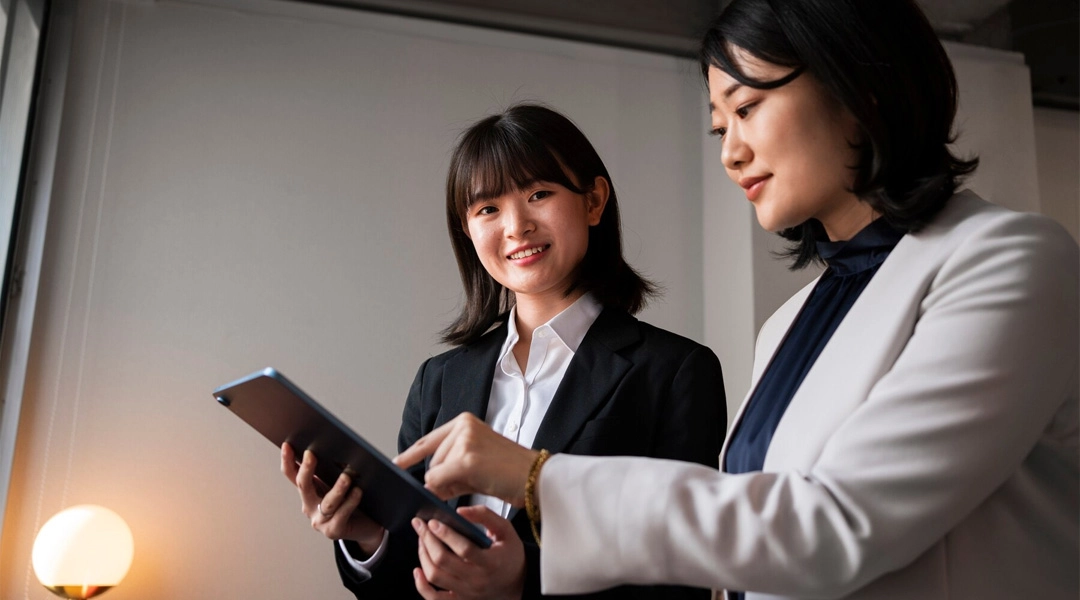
82	551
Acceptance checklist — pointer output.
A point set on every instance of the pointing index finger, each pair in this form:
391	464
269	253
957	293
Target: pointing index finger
423	447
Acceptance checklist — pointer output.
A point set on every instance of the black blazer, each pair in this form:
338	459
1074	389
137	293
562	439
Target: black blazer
630	390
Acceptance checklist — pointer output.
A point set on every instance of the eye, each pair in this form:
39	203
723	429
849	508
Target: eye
540	195
718	132
744	110
486	209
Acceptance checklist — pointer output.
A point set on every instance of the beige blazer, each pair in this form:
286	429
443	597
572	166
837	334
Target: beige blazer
931	452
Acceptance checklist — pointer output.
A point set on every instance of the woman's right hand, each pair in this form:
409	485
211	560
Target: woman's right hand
469	457
333	514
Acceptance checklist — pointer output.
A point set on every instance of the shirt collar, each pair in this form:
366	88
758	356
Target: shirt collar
574	322
867	249
570	326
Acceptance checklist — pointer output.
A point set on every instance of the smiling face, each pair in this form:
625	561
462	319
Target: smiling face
789	148
533	240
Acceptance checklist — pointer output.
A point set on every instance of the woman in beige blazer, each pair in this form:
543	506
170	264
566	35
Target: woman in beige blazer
912	428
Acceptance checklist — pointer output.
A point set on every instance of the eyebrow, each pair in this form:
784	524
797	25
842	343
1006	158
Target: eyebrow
727	94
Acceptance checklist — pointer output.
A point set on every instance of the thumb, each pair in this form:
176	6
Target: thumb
498	528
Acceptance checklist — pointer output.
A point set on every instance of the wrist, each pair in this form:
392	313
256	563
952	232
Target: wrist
369	544
532	496
517	500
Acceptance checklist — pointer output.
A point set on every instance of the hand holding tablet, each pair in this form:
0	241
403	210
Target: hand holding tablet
332	510
285	415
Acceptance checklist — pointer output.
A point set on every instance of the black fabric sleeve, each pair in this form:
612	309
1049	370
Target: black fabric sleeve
690	428
693	417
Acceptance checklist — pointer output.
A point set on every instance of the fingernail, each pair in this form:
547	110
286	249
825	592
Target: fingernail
435	526
417	524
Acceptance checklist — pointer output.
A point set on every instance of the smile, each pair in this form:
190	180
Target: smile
528	252
753	186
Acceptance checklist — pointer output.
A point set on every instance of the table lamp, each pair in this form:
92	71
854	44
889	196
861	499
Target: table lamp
82	551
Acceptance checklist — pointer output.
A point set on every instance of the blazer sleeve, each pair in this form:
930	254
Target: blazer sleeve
690	428
693	416
990	362
392	578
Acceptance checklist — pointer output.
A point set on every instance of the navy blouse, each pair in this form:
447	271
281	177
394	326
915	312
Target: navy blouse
851	265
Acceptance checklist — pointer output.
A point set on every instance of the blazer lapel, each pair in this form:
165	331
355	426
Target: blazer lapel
593	372
467	377
861	349
771	335
868	341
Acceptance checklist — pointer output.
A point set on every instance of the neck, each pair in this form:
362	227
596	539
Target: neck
849	219
533	311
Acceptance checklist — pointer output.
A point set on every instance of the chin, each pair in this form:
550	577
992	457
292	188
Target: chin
774	223
768	223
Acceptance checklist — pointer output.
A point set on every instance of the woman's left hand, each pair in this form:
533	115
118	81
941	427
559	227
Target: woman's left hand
463	569
468	457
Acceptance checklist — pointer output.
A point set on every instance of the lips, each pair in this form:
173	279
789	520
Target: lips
527	252
753	186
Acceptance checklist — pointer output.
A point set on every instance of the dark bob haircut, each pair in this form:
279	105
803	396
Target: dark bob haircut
882	62
508	152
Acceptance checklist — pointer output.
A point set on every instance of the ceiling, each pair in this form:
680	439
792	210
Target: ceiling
1044	31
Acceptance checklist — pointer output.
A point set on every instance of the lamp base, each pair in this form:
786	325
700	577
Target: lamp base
78	592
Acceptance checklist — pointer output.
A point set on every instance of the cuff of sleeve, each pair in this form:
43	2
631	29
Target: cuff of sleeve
569	527
592	507
363	568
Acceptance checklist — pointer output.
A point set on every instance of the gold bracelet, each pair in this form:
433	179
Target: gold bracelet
532	504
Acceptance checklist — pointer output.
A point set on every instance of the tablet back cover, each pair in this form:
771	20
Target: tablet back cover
282	412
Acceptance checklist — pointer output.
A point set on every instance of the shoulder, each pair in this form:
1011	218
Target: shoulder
972	229
474	351
657	344
437	362
655	336
967	218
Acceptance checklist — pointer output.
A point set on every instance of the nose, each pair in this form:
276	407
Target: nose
518	221
735	152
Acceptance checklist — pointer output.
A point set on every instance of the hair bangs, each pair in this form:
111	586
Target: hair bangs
502	159
742	28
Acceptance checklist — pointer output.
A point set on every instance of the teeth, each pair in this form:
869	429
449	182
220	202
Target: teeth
528	252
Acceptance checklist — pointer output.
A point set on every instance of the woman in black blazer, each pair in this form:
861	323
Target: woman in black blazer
546	351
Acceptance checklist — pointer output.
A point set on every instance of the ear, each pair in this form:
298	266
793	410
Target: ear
596	199
465	228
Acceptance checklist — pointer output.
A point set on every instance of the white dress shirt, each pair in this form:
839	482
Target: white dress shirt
519	401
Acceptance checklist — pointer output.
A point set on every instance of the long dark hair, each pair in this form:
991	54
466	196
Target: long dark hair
881	60
509	151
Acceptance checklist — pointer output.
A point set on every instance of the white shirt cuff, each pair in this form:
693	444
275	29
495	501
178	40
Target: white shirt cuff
363	567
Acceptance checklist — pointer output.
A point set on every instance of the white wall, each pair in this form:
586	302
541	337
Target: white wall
1057	140
996	85
242	184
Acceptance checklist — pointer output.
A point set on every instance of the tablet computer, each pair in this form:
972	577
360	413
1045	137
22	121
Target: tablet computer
282	412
